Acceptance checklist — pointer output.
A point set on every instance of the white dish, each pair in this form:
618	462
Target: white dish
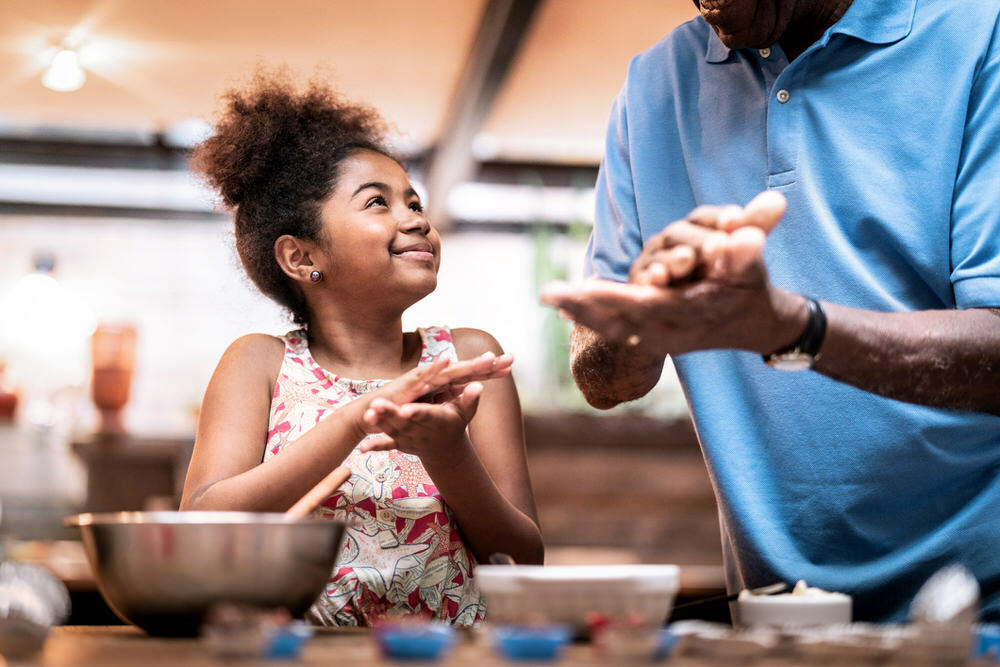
572	594
793	610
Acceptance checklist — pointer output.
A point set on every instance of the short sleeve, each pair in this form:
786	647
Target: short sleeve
616	239
975	226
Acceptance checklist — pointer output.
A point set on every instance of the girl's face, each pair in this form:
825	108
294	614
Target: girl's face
376	233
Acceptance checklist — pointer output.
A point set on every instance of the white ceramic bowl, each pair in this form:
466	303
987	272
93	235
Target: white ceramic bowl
570	594
793	610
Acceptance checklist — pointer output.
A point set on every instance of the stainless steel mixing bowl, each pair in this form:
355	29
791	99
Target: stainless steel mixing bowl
162	571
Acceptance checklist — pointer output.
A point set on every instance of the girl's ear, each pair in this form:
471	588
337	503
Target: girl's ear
293	256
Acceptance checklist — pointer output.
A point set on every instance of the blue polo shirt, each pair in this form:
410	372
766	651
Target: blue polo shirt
884	137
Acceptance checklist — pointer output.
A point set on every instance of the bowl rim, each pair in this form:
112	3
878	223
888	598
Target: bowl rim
589	573
191	517
789	600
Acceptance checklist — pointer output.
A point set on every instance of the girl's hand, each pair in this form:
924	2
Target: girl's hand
443	380
424	429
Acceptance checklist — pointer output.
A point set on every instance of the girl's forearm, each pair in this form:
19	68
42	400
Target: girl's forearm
276	484
489	522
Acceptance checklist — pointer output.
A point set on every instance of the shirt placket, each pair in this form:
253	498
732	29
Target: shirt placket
783	97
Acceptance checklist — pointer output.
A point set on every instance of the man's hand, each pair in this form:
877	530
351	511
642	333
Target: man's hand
699	284
712	241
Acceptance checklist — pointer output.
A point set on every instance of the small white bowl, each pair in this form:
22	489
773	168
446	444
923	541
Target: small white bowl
789	610
572	594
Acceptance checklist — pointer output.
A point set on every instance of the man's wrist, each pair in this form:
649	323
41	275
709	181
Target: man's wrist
803	352
790	314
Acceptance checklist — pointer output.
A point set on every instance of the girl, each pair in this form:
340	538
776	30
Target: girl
328	225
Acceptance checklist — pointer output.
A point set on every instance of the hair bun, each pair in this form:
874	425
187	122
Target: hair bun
266	126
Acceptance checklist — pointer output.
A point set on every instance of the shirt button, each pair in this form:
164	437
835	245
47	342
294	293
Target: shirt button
764	53
783	95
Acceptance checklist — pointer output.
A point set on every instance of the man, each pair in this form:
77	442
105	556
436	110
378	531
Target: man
874	127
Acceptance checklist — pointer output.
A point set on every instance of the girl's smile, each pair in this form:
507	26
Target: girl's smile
421	252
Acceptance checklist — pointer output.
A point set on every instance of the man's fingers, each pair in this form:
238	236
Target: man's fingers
736	258
681	262
614	310
764	211
668	266
744	248
654	273
625	299
705	216
730	216
713	253
684	232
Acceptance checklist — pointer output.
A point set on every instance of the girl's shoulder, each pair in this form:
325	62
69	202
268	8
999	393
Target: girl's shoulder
471	343
250	364
258	344
256	351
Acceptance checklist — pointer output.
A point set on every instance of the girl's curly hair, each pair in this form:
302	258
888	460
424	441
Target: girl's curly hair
274	158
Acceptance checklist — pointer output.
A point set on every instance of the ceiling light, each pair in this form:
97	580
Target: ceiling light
65	73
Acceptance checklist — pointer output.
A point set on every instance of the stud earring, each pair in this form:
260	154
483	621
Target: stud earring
316	276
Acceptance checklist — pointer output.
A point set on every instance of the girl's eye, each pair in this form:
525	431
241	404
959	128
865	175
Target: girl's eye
378	200
417	206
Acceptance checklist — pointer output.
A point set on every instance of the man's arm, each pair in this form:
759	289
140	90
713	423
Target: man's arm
609	373
942	358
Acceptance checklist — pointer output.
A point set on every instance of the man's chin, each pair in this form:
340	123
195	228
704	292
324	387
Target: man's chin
744	25
743	40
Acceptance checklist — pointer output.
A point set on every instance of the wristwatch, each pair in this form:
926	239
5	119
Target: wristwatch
804	352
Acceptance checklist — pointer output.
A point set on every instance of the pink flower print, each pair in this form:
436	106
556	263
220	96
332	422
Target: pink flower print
442	335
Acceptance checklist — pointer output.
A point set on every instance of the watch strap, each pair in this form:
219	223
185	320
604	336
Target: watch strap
811	340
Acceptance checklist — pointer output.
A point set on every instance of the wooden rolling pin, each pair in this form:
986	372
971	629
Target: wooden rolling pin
314	496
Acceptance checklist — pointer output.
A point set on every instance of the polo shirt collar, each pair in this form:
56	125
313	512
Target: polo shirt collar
874	21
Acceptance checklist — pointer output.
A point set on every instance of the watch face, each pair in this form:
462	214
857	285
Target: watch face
794	361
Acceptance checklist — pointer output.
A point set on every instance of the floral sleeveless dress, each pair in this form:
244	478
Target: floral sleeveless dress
402	550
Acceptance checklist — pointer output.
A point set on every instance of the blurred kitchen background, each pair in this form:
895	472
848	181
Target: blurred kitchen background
120	287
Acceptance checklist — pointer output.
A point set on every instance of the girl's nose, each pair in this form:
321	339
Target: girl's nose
414	221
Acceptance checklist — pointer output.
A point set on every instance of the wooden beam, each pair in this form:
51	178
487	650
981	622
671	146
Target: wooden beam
499	37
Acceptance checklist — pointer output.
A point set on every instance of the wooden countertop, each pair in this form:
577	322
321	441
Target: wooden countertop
119	646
